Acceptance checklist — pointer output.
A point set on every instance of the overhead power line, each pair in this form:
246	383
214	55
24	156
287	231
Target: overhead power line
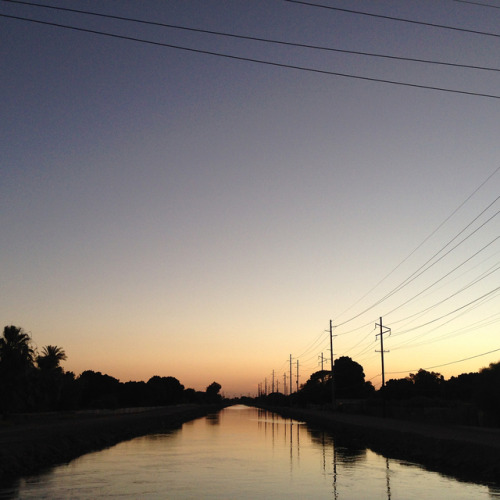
446	364
487	294
430	262
258	61
393	18
420	244
254	38
478	3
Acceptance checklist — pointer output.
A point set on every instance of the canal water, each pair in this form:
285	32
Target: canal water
242	453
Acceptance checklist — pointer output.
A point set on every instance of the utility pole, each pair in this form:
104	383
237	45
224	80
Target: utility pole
290	374
273	382
297	375
265	382
322	359
383	330
331	365
284	383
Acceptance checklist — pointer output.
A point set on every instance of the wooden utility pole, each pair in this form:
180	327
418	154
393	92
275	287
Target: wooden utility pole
291	374
383	330
331	365
297	375
284	383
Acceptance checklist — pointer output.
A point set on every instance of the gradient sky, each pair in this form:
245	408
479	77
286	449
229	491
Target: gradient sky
168	212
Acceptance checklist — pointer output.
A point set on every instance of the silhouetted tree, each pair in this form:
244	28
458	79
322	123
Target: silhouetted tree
464	387
16	370
133	394
165	390
70	394
317	390
427	384
349	379
98	390
51	358
398	389
487	394
191	396
50	377
212	392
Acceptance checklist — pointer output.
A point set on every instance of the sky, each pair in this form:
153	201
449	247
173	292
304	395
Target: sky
168	211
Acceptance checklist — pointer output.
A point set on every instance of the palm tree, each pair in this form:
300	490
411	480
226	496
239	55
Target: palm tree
16	351
50	358
51	377
16	370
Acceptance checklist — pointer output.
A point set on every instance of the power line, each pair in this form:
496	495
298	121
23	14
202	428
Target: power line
487	294
446	364
448	335
454	333
313	344
254	38
478	3
393	18
441	279
258	61
422	269
421	244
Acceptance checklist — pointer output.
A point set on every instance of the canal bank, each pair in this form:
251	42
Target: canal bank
31	443
466	453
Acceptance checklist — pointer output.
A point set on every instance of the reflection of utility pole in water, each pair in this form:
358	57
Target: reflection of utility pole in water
335	493
388	478
272	429
324	451
298	443
331	366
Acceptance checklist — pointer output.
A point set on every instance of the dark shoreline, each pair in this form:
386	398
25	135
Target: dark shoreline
31	444
464	453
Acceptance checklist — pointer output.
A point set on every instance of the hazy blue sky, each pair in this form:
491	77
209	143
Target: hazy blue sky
169	212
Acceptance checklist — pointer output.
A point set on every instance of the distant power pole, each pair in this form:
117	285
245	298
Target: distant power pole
291	374
331	365
273	381
322	359
383	330
265	382
284	383
297	375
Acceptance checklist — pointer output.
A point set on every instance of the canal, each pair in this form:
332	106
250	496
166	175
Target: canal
242	453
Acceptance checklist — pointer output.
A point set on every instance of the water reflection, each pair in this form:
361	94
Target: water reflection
242	453
213	419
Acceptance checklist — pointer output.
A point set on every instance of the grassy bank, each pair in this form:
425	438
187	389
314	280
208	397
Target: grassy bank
31	443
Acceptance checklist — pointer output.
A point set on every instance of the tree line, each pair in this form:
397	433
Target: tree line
32	381
469	398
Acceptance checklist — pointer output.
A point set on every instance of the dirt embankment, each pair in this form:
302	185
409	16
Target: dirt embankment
30	443
466	453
